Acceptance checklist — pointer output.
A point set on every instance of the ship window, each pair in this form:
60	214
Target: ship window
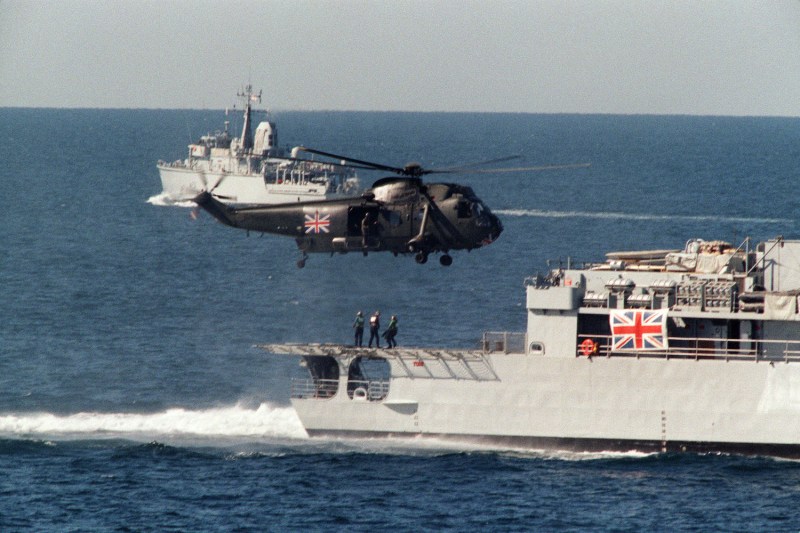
322	378
536	348
368	379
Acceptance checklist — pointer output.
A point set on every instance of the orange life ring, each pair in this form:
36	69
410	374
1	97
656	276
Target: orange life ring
588	347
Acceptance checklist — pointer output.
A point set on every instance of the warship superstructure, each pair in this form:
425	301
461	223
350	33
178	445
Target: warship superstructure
693	349
251	169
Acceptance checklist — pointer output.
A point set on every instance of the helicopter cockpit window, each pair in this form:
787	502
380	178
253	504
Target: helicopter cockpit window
464	209
394	218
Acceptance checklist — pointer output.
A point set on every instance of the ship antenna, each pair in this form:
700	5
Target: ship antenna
188	128
248	96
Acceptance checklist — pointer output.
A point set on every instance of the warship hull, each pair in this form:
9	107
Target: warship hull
181	183
581	404
250	169
697	351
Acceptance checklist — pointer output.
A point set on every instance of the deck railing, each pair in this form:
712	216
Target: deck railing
372	390
699	348
314	388
503	342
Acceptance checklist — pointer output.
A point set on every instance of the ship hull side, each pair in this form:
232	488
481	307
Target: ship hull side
180	182
790	451
184	184
584	404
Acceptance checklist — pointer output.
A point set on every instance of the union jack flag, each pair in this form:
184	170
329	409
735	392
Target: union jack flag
638	330
316	223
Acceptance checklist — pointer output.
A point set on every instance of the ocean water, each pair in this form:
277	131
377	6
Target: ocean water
132	398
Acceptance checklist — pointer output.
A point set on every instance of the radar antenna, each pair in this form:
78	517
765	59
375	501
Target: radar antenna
248	96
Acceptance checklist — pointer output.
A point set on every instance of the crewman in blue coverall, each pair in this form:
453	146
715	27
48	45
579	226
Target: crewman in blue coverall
358	326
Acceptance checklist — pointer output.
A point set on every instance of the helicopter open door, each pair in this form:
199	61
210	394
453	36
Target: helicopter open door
363	230
355	218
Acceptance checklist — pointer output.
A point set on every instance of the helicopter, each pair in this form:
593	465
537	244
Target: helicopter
399	214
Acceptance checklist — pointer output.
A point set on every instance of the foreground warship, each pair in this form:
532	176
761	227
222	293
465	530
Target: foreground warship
695	350
251	169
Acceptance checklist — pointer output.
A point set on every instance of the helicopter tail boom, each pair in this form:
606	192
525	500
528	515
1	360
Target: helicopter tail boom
215	208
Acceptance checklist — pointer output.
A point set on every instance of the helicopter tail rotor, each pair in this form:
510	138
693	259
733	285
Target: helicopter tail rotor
194	195
213	188
206	201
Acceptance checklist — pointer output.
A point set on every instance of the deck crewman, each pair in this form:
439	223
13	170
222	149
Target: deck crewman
358	326
391	332
374	326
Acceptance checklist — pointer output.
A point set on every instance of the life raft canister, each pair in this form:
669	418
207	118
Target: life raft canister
588	347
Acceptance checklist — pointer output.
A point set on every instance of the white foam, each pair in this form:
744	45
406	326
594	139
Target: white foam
635	216
236	421
434	446
166	200
565	455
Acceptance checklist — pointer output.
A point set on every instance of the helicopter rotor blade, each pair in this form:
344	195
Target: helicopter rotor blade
415	170
331	163
192	194
367	164
522	169
219	182
461	168
217	195
203	179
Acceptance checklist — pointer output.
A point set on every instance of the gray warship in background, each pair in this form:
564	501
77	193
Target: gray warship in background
251	169
693	350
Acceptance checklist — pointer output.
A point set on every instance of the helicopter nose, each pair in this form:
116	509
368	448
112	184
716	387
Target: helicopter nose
495	229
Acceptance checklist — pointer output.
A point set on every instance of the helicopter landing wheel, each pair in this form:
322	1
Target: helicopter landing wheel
421	258
446	260
302	261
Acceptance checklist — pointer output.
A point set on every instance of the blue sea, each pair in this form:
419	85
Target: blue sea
132	397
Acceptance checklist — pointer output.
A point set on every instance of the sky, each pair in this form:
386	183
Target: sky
693	57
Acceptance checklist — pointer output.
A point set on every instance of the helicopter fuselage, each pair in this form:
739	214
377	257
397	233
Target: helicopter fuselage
399	215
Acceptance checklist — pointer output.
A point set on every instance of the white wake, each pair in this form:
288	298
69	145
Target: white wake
236	421
166	200
236	425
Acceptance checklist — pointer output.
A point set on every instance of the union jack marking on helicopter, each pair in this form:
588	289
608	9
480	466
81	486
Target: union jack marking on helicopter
316	223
